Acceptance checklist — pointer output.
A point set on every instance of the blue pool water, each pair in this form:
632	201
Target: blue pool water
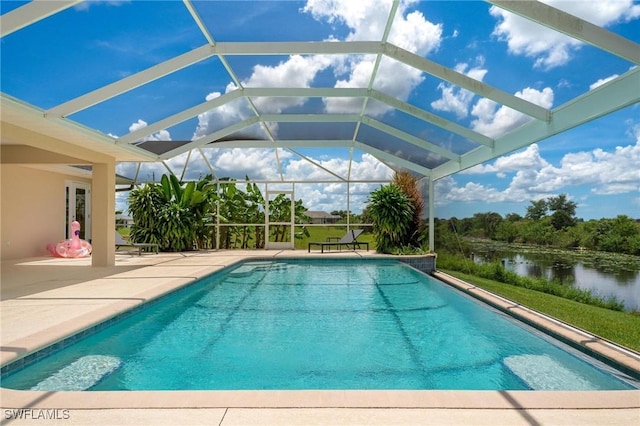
333	324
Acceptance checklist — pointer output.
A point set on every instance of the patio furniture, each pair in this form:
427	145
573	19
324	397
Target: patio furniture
122	242
349	239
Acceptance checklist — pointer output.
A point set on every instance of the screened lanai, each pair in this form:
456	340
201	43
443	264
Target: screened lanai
329	96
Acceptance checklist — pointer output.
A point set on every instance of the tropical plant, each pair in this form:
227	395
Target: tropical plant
205	212
391	211
280	211
248	207
144	204
408	184
170	214
232	208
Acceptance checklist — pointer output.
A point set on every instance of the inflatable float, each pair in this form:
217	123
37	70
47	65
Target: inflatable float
73	247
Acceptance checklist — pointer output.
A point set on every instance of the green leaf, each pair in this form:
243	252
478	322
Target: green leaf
166	187
177	188
187	194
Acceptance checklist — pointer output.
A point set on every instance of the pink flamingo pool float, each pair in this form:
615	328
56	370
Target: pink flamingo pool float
73	247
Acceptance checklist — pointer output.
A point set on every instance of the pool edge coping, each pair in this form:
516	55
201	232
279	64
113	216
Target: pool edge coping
584	340
470	399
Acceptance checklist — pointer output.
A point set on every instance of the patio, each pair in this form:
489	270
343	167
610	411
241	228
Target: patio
46	299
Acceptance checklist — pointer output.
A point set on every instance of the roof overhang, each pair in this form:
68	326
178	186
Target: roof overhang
23	124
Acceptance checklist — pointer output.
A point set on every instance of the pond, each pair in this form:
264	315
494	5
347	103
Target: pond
604	274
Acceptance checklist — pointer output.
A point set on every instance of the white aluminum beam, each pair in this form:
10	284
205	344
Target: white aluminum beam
310	118
201	142
610	97
228	97
573	27
421	143
15	112
432	118
31	13
284	143
386	157
376	65
179	117
199	22
306	92
466	82
298	48
136	80
316	164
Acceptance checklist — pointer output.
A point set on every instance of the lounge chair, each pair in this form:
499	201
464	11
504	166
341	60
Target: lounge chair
122	242
349	239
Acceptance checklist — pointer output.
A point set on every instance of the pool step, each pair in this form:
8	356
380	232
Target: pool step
82	374
251	267
540	372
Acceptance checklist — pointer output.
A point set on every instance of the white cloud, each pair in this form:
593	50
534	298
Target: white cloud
329	197
454	98
367	167
547	47
528	158
296	71
85	5
602	12
411	31
606	173
162	135
240	162
495	122
366	21
603	81
301	169
447	191
226	115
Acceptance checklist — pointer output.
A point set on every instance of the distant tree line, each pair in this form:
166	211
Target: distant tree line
548	222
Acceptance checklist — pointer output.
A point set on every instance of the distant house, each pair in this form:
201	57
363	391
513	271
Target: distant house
318	217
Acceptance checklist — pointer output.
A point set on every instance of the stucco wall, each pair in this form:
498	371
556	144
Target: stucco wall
32	210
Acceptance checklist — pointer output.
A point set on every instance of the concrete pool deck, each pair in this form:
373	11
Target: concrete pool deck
45	300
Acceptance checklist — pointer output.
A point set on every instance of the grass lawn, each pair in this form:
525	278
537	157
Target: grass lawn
622	328
124	232
321	233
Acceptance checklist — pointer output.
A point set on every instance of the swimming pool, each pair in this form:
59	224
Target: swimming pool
336	324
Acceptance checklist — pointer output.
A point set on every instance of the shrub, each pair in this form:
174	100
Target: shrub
392	214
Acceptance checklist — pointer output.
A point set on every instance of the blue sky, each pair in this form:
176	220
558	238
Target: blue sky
596	165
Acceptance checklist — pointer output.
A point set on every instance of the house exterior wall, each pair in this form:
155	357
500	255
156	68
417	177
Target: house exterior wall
32	210
325	220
